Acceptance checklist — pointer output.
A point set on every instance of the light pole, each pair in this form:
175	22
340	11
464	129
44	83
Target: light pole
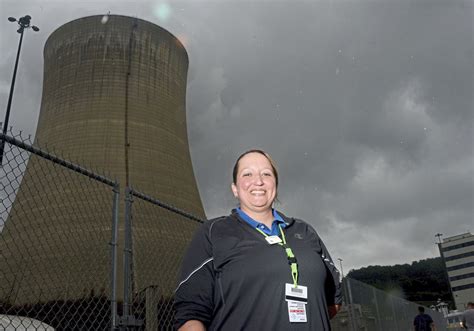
23	23
342	271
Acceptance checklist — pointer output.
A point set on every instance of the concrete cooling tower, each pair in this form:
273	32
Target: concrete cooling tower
113	99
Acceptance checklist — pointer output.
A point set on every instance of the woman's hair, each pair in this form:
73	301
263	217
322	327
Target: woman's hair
259	151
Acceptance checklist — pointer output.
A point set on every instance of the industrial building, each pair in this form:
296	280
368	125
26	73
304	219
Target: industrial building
114	92
457	253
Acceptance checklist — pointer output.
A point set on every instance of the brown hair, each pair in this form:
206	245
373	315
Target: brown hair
259	151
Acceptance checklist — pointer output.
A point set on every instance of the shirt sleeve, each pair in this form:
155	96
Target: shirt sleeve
332	285
195	291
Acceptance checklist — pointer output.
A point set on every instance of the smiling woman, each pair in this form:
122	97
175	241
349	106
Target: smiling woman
255	181
256	269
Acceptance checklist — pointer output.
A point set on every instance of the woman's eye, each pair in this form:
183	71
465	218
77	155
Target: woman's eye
246	175
268	174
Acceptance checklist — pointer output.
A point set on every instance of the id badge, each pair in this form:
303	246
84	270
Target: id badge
297	298
297	312
272	240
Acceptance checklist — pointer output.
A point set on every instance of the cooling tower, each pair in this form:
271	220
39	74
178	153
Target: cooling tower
113	99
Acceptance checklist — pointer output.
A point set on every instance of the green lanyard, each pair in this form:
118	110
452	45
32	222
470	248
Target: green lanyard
289	254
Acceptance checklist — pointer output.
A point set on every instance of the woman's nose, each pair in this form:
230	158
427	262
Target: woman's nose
258	180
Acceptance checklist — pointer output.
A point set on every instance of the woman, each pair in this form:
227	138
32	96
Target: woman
256	269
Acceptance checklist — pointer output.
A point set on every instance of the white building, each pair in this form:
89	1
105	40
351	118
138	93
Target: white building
457	253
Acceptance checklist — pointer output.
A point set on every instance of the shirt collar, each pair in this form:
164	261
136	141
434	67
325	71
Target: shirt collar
276	218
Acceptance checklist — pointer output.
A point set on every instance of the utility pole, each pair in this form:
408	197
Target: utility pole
23	23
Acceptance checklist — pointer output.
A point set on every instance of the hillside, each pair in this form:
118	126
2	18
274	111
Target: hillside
423	281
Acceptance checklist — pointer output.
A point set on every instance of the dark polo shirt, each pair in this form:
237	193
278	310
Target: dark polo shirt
232	279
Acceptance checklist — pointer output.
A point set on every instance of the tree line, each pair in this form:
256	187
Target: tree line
423	281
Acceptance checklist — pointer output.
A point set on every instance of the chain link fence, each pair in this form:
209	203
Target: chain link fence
152	278
59	241
56	221
60	235
370	309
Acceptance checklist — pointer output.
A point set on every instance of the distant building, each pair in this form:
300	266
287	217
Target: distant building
457	253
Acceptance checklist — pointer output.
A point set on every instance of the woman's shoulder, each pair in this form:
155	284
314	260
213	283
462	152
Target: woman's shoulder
299	224
293	221
218	225
210	222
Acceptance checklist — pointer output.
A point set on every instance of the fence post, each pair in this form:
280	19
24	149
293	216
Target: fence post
394	313
127	254
376	303
113	244
350	305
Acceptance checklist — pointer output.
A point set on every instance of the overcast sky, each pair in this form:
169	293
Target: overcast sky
366	107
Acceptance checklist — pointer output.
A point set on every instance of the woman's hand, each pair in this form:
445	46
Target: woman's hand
193	325
333	310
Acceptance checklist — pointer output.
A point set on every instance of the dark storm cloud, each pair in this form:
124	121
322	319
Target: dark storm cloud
366	106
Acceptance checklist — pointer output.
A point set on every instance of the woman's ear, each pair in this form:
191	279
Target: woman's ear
234	190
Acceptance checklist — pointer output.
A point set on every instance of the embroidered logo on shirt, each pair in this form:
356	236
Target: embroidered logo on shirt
298	236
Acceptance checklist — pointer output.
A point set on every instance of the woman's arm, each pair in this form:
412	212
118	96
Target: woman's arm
193	325
332	286
194	296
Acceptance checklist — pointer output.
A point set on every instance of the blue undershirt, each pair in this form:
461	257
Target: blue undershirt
274	231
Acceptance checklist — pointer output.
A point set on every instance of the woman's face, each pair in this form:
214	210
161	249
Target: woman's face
255	186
